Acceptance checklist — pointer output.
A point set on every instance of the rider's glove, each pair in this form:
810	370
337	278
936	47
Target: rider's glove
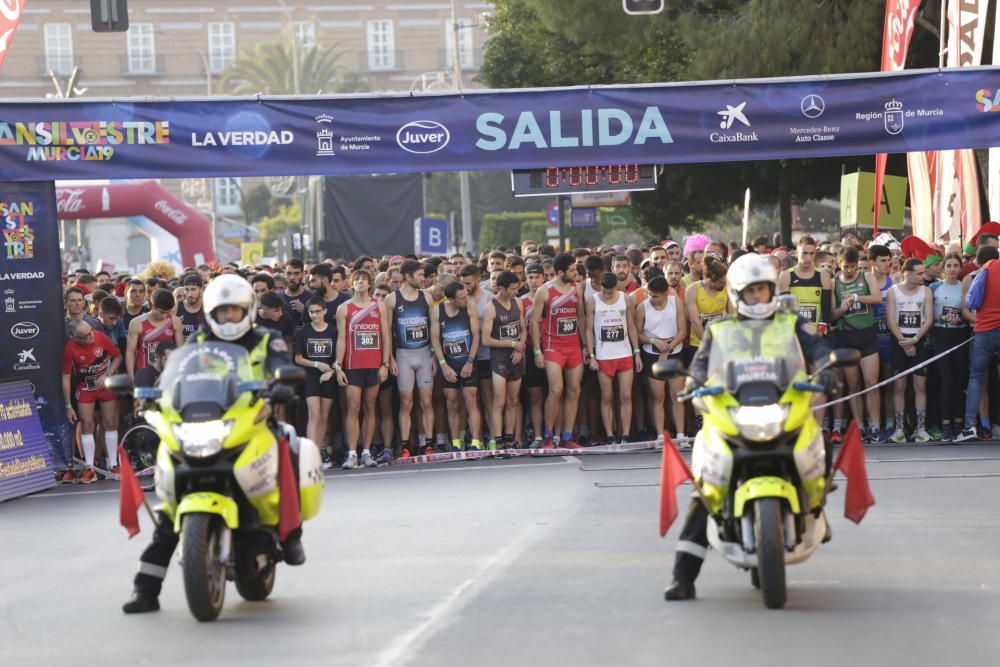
830	382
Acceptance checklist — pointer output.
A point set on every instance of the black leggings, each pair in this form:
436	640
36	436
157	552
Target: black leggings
952	372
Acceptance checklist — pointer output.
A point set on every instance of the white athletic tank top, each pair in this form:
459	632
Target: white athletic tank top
588	290
611	329
661	324
909	310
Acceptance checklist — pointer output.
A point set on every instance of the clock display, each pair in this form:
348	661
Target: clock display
593	178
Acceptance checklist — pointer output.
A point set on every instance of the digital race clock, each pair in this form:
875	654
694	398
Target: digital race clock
568	180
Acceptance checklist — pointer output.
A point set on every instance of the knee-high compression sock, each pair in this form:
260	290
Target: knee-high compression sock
89	446
111	446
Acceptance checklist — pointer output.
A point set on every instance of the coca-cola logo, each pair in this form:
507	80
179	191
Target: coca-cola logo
175	215
70	201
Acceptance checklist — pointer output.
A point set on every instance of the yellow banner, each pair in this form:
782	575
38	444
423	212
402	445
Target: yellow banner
857	196
251	253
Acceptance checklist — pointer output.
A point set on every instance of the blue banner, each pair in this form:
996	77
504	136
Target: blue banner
648	124
25	462
31	319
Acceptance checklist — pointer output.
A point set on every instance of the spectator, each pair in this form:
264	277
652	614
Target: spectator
985	339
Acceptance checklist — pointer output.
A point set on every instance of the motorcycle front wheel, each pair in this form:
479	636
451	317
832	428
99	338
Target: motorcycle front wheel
769	533
204	574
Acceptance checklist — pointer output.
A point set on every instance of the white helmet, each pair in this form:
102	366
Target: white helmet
229	290
748	270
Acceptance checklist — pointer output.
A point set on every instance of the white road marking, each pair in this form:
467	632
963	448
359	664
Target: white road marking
406	646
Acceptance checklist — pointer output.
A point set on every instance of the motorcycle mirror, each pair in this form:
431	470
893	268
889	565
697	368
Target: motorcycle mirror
788	303
290	375
148	393
844	356
668	369
119	384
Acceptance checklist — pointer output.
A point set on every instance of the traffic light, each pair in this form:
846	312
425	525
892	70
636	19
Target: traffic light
109	15
642	6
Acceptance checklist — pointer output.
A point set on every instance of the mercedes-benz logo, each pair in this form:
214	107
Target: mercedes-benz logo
812	106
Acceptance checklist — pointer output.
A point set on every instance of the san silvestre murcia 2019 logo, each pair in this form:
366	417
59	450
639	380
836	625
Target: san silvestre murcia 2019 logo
81	140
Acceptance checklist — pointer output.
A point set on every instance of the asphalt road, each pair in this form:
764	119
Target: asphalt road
528	562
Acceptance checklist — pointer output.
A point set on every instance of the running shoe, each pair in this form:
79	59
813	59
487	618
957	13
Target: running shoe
966	434
88	476
115	470
836	438
947	434
985	434
995	431
428	450
548	443
492	445
877	436
477	447
404	453
536	444
351	462
921	435
455	448
569	444
327	461
898	436
935	433
68	477
366	459
385	456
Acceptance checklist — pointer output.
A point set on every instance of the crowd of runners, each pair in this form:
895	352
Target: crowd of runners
532	348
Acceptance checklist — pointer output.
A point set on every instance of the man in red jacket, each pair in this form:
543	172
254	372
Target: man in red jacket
985	338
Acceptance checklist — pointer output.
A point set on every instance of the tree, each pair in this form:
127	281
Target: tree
288	218
270	67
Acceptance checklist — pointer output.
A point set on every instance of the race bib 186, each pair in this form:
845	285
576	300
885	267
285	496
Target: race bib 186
416	334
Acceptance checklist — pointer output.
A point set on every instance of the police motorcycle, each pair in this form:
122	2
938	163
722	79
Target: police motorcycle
216	472
759	462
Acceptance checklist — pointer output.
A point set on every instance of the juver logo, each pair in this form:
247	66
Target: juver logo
423	136
24	330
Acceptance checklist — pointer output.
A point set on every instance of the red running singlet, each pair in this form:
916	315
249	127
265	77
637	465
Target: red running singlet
559	320
151	335
364	337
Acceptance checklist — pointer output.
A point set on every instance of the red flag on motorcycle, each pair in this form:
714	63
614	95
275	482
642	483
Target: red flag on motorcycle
289	515
130	495
673	471
851	462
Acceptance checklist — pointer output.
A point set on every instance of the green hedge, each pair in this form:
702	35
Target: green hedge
507	228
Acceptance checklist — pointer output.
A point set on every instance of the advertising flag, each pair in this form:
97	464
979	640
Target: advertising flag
10	15
899	18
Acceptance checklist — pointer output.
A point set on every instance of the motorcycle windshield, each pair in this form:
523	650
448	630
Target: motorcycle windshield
201	381
759	358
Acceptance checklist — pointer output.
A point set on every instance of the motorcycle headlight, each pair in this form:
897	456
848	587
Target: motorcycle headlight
760	423
202	439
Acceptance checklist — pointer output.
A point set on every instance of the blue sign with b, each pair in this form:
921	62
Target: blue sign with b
430	236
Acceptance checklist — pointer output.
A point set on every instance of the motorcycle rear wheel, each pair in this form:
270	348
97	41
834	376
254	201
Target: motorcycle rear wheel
769	534
204	575
257	587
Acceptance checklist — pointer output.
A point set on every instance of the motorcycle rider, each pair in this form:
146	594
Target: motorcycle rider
752	284
229	313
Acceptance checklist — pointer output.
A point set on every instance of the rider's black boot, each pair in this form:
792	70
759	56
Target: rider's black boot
679	590
140	603
294	553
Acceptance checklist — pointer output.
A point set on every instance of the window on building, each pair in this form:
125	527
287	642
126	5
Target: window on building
381	45
305	35
227	196
141	49
221	45
59	48
466	46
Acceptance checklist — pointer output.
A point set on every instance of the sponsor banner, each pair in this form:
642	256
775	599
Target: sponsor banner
31	318
648	124
25	459
250	253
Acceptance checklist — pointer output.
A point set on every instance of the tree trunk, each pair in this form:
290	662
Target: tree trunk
785	204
